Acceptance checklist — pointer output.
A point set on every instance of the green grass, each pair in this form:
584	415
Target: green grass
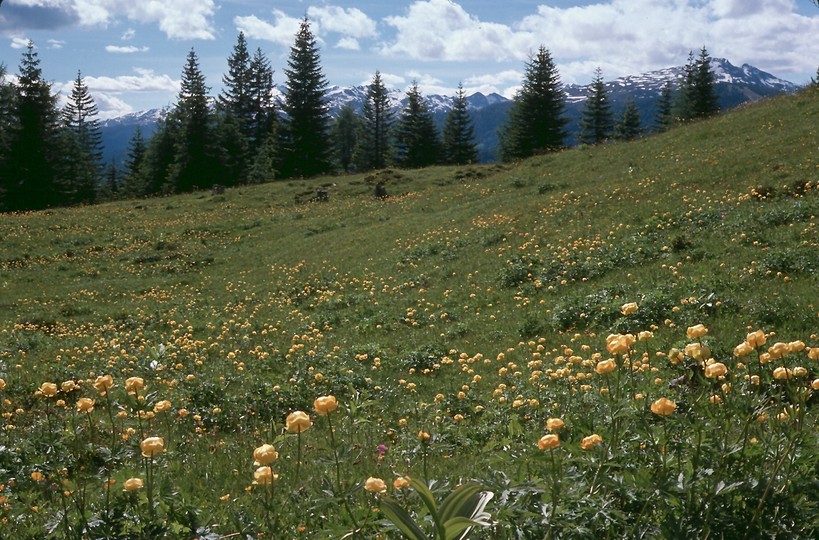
448	308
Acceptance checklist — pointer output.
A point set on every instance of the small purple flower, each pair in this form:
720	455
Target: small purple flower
382	449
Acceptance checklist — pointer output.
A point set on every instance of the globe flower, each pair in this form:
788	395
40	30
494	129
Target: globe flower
715	370
85	405
133	484
554	424
756	339
103	383
48	389
548	442
37	476
663	406
2	384
424	436
264	476
628	309
325	404
401	482
645	335
265	454
375	485
696	331
591	441
134	384
743	349
605	366
162	406
697	351
796	346
152	446
782	373
68	386
813	353
778	350
297	422
800	371
619	343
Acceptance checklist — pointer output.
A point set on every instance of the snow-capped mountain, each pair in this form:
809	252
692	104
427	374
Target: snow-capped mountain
735	85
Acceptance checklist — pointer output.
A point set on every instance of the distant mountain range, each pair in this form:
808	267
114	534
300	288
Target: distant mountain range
735	86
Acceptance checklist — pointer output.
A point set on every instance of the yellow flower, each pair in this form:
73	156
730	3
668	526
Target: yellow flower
162	406
782	374
815	384
715	370
778	350
48	389
424	436
548	442
628	309
813	353
743	349
37	476
85	405
756	339
553	424
796	346
697	351
297	422
375	485
134	384
2	384
605	366
401	482
325	404
152	446
663	406
696	331
265	454
103	383
619	343
264	475
591	441
645	335
800	371
68	386
133	484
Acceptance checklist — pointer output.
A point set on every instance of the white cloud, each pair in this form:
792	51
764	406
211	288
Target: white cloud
19	42
117	49
281	31
349	22
443	30
145	80
348	43
128	35
55	44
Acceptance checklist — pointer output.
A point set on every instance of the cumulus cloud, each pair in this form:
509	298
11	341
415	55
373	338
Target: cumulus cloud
350	22
19	42
144	80
280	31
178	19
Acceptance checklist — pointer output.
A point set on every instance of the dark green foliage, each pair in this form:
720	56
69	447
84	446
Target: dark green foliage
81	148
30	179
133	182
665	107
536	123
374	149
416	138
263	106
263	168
305	131
629	126
459	133
698	98
196	162
343	135
596	122
235	96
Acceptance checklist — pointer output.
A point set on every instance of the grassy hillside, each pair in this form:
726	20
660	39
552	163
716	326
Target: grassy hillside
472	304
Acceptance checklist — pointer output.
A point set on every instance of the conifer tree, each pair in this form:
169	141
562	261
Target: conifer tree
664	116
374	149
133	181
31	181
416	137
343	134
596	122
8	125
459	132
629	126
263	168
703	95
536	122
110	187
155	171
81	151
305	131
235	97
263	105
197	160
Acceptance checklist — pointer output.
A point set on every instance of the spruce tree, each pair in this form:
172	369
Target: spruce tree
416	137
629	126
343	135
684	105
596	122
305	131
133	183
536	122
703	94
664	116
374	140
459	132
31	183
263	105
197	159
235	97
156	170
8	125
263	168
81	153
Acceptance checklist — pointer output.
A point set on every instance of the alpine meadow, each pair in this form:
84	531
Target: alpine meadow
616	339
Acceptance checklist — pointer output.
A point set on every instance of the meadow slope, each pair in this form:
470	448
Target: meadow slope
450	320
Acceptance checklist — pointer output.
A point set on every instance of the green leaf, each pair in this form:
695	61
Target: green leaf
401	519
456	526
429	502
460	502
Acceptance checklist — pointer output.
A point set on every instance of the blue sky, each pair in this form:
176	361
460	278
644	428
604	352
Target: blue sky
131	52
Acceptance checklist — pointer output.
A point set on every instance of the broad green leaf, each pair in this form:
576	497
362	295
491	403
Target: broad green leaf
401	519
456	526
460	502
